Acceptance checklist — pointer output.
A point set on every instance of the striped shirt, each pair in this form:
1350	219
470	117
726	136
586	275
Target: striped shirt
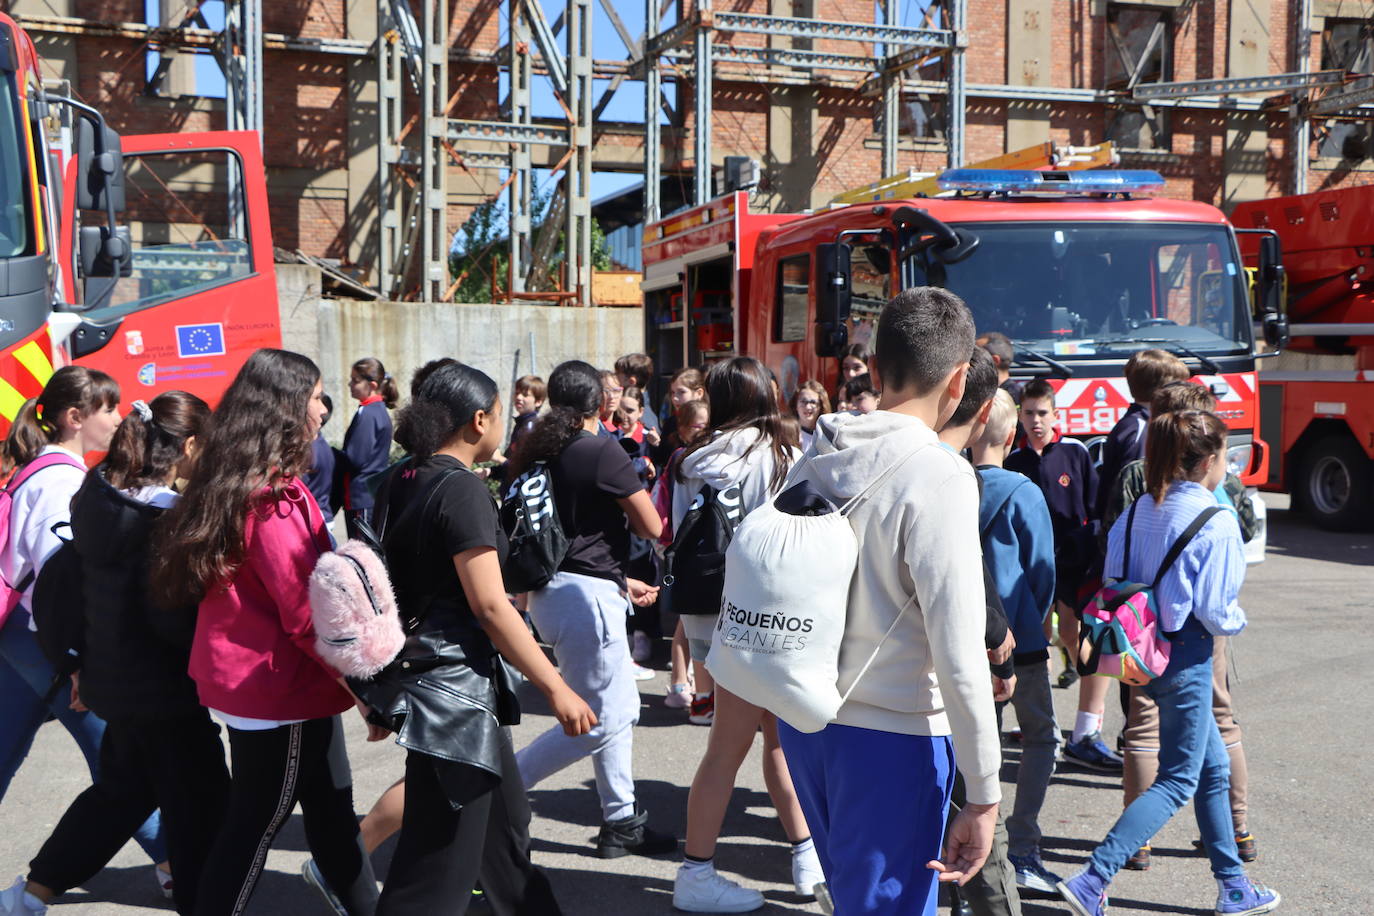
1206	579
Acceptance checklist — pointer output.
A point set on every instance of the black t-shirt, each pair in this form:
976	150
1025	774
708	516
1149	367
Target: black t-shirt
588	477
424	530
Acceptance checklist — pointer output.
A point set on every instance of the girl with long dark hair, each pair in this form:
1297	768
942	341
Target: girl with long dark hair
241	543
581	611
367	443
747	448
160	749
1185	461
466	813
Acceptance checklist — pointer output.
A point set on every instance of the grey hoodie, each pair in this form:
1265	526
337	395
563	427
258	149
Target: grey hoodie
918	534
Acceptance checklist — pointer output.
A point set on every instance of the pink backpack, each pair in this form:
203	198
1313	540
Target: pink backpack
1121	636
357	625
11	592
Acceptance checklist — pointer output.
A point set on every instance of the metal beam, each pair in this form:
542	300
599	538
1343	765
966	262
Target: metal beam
434	235
653	151
461	130
677	35
900	36
701	109
389	120
1299	127
544	38
1278	82
778	57
892	98
519	195
956	104
1342	101
578	234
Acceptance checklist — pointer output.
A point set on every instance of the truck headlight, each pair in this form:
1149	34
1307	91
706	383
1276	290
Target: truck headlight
1238	458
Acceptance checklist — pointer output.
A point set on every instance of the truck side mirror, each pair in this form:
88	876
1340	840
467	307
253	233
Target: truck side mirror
833	296
106	251
1269	287
101	162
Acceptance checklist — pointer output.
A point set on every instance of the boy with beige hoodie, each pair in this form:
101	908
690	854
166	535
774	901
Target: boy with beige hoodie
875	784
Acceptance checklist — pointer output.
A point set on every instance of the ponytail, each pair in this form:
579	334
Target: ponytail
574	397
25	440
371	369
151	440
1177	444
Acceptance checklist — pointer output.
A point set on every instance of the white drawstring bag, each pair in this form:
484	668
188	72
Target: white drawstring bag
777	641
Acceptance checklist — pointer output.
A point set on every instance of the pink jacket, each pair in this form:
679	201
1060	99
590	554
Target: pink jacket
254	652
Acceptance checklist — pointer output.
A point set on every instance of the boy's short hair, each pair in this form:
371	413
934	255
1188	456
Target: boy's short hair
637	367
1176	396
999	345
1038	388
982	382
923	334
534	386
858	385
1001	420
1148	370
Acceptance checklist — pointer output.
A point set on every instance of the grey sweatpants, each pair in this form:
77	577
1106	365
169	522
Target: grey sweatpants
1034	705
583	618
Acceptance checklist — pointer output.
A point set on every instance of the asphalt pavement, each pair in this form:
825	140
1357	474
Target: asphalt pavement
1304	694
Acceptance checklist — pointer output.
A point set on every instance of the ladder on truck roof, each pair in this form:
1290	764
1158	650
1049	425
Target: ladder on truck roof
1045	155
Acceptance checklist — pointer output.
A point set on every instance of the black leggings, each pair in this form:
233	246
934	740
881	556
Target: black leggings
176	765
442	852
273	769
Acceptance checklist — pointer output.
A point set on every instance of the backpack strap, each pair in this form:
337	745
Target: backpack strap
42	463
1126	551
880	480
1188	534
911	599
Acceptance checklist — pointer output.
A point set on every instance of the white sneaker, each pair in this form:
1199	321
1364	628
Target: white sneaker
702	890
640	647
806	873
14	902
641	673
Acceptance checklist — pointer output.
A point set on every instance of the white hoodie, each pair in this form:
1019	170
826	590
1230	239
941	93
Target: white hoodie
918	534
722	463
40	503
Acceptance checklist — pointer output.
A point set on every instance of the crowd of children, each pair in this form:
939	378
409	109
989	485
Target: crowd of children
223	517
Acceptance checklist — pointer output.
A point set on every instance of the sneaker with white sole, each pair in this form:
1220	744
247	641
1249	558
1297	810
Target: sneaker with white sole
641	673
806	873
1243	897
703	709
703	890
679	696
640	647
311	873
14	901
1032	875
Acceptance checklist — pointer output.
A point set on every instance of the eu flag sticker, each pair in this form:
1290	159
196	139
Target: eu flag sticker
200	340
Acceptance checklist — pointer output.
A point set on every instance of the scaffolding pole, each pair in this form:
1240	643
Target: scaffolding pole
955	115
519	194
390	242
242	64
434	238
892	95
577	252
702	83
653	149
1300	127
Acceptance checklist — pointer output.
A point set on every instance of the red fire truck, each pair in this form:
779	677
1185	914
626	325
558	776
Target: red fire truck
1080	269
176	297
1317	401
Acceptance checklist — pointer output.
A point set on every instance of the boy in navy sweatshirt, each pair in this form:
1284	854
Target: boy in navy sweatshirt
1064	472
1146	372
1018	547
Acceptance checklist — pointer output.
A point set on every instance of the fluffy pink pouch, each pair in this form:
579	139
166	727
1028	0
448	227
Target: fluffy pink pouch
357	627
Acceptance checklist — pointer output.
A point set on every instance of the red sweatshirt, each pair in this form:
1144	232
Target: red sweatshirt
254	652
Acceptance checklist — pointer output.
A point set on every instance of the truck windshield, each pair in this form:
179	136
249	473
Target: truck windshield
14	223
1100	289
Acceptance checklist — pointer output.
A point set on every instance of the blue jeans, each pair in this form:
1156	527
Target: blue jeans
1193	763
25	678
876	805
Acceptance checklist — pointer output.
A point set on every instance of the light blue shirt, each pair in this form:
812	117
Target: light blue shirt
1207	577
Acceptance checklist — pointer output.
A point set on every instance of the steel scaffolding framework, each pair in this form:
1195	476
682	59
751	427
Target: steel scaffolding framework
414	155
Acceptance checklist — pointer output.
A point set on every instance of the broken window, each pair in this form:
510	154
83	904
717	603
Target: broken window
1347	44
1139	50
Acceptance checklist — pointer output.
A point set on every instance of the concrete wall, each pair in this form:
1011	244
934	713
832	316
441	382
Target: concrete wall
505	341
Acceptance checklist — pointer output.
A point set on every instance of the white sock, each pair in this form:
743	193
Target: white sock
698	867
802	848
1086	724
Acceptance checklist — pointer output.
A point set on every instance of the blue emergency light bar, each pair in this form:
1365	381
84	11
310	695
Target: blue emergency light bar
1120	181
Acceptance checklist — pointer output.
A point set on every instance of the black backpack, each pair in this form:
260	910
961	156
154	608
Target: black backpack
538	543
694	564
59	607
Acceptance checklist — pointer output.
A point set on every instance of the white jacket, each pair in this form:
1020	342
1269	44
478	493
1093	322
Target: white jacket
723	463
918	534
40	503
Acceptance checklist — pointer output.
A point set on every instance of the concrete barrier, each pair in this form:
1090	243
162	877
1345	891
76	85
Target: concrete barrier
504	341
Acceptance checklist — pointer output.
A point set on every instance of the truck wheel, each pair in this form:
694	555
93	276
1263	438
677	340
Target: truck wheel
1337	484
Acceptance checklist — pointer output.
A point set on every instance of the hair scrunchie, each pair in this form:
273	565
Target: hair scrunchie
145	413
